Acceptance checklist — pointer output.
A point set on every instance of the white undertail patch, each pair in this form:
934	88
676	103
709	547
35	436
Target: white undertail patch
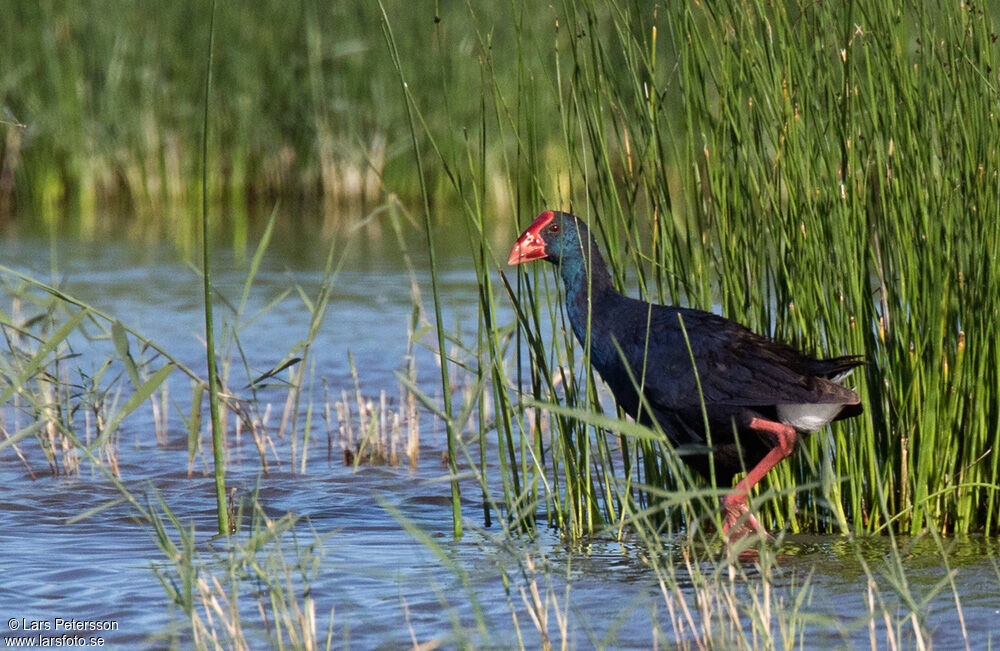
809	417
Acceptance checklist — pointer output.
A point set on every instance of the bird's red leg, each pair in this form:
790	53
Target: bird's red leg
735	504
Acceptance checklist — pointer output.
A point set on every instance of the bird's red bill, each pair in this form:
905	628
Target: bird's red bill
530	246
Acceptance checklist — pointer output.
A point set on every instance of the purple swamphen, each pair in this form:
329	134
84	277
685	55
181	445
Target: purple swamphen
759	395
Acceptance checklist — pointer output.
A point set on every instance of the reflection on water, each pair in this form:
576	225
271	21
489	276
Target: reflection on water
385	587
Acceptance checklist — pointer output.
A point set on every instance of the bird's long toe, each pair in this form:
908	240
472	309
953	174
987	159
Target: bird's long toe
738	522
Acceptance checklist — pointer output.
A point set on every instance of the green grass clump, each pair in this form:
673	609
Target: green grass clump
70	375
826	173
212	596
848	189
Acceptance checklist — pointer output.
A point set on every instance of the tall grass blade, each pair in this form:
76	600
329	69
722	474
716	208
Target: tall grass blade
218	433
456	502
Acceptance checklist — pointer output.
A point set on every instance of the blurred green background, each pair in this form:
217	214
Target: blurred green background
101	102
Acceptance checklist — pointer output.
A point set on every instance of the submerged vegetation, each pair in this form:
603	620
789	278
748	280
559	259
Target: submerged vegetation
825	173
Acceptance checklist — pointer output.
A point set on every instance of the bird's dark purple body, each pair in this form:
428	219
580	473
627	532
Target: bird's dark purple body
757	393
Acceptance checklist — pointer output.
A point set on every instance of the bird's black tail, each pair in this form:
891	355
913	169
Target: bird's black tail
836	368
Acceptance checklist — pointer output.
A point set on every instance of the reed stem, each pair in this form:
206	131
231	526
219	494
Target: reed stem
218	433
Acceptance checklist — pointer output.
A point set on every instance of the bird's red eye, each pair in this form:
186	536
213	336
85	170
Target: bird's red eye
554	228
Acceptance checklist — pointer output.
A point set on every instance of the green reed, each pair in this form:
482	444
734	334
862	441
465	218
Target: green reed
825	174
218	433
843	218
432	256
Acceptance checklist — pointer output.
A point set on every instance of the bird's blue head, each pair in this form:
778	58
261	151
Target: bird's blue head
553	236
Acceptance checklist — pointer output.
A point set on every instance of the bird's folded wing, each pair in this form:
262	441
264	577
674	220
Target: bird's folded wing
720	362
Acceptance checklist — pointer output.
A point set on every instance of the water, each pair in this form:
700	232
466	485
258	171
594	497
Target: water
386	587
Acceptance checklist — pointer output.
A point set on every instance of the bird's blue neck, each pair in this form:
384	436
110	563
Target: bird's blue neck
588	286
